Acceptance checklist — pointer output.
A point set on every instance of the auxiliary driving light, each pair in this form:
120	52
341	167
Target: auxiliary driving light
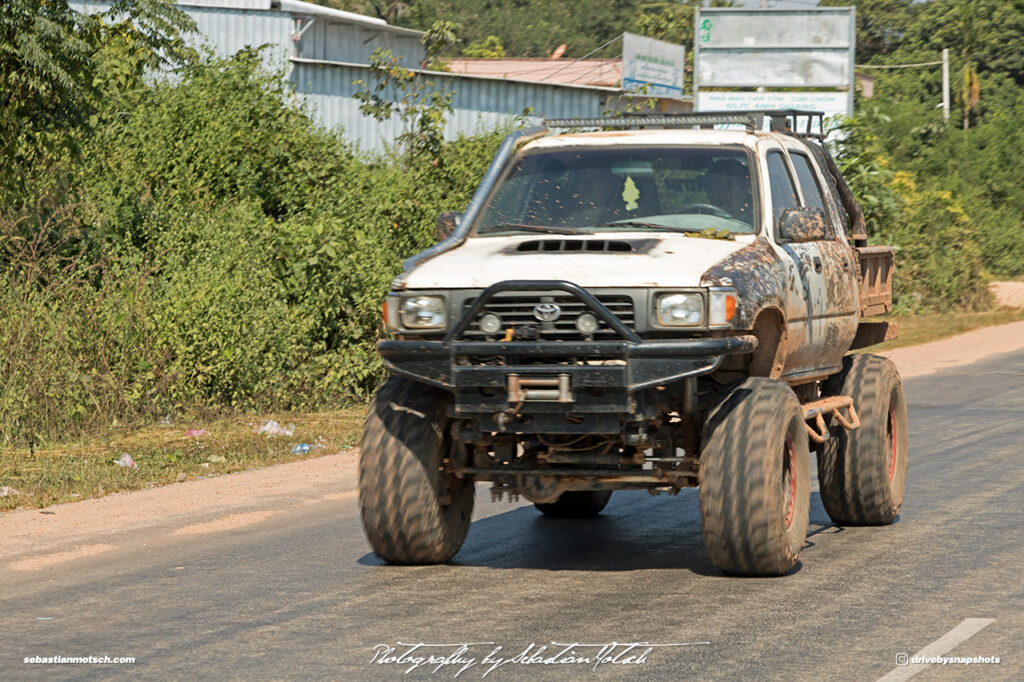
586	323
490	323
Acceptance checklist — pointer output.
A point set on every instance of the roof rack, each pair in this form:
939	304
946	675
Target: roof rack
780	120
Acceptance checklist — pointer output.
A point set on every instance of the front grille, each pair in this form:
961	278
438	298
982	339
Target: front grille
516	311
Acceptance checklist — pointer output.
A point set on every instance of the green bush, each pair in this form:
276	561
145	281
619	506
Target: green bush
939	259
214	250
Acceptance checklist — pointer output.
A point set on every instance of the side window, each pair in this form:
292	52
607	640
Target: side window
783	191
808	181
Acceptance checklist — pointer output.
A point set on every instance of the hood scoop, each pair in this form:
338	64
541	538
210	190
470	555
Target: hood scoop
585	246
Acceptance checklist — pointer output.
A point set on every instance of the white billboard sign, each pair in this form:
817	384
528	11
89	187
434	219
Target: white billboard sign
652	66
746	28
775	48
776	69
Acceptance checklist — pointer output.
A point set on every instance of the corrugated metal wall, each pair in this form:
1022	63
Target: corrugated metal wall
478	103
228	30
331	40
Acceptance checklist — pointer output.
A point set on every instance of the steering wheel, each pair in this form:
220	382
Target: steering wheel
706	209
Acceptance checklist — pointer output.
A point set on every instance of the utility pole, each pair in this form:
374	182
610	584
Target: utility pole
945	84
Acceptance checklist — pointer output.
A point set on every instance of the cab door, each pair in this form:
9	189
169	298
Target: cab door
805	299
834	331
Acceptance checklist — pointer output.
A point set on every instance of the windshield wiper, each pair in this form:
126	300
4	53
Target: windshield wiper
535	228
653	226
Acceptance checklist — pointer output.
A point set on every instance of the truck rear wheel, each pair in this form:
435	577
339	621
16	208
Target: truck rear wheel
862	473
413	512
755	480
576	504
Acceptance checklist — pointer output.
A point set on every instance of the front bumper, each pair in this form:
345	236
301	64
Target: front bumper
595	381
591	364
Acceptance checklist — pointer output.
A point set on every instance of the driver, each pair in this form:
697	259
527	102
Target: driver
727	185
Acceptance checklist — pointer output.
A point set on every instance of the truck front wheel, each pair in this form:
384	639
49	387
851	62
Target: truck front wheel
413	512
862	473
755	480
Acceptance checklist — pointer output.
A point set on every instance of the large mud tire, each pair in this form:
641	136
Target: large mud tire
576	504
862	473
412	512
755	480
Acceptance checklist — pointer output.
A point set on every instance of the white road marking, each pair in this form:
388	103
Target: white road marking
961	633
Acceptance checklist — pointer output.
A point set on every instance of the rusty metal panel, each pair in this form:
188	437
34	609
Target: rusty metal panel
877	264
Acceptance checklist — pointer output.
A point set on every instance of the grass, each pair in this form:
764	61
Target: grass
164	453
918	329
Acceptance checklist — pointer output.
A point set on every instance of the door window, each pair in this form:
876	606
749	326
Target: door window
808	181
783	191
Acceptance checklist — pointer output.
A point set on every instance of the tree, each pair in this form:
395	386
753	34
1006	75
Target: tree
881	24
54	66
488	48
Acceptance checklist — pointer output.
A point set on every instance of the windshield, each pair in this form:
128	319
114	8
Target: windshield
583	190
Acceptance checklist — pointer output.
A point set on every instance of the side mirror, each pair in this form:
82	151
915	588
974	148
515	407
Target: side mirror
446	224
797	225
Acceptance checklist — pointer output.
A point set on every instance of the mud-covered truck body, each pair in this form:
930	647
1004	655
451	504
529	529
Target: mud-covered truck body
654	304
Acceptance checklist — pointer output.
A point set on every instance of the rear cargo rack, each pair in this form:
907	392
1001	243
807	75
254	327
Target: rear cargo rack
791	121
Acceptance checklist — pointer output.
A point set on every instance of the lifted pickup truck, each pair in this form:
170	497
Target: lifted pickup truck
655	304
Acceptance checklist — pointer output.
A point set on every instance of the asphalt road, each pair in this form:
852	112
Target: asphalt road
301	596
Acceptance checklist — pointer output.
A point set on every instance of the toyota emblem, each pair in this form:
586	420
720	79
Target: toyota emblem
547	312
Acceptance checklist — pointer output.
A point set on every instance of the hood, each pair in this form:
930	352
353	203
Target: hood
615	259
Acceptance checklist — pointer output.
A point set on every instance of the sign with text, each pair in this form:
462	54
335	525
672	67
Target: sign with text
775	48
652	66
831	103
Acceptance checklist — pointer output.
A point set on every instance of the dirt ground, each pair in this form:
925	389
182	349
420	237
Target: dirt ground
1008	294
36	539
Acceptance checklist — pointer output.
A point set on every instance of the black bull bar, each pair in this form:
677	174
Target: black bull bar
591	376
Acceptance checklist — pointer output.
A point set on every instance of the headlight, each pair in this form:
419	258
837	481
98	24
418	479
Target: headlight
423	312
680	310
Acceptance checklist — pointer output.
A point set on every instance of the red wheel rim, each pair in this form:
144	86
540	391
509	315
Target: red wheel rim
892	440
789	480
